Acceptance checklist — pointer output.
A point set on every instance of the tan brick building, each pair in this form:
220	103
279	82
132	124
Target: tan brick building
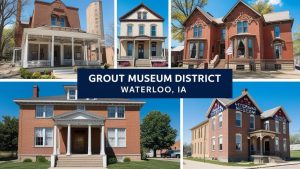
238	130
78	132
242	40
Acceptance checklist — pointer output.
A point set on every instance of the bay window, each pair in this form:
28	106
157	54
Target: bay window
267	125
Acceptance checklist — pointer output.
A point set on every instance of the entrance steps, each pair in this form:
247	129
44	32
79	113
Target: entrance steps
275	159
221	64
63	71
142	63
79	161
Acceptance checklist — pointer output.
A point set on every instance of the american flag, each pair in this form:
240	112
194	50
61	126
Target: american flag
229	50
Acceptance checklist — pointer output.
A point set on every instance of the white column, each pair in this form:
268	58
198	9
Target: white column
150	57
102	150
99	51
58	140
133	52
69	140
90	140
261	148
73	54
54	140
25	53
164	48
52	52
61	54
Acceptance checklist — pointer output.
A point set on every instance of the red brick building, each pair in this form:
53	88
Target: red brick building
238	130
53	37
78	132
242	40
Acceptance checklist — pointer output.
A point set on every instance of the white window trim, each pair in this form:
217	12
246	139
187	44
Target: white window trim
214	123
116	113
238	112
252	115
284	128
284	143
277	138
213	138
44	112
277	126
68	94
219	143
267	122
220	114
238	134
116	138
44	137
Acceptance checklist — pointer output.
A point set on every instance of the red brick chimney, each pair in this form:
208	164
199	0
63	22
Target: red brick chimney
18	31
244	91
36	91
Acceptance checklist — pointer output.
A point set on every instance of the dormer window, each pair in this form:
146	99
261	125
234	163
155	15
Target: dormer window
53	20
63	21
72	94
139	15
144	15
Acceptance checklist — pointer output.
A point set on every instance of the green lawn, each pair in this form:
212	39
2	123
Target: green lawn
295	155
18	165
150	164
240	164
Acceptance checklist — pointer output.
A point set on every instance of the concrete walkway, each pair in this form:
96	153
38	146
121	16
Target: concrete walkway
77	168
166	159
189	164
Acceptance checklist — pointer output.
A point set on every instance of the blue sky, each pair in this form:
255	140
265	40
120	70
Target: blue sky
125	6
13	90
266	95
219	9
108	14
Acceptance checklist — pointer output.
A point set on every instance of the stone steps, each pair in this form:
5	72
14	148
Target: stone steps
275	159
79	161
142	63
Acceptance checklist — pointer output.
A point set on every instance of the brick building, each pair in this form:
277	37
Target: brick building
53	38
242	40
238	130
78	132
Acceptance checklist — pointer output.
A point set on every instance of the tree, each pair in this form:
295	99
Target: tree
109	37
9	133
297	42
156	132
263	6
295	138
6	47
8	10
187	148
181	9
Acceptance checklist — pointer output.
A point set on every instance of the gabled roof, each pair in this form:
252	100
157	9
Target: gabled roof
241	2
271	112
178	48
59	1
142	5
277	16
208	16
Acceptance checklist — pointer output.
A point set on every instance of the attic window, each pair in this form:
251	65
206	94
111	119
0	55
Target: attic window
144	15
72	94
139	15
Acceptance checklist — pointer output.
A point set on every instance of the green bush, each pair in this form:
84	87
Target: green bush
36	75
106	66
25	74
112	160
143	153
27	160
41	159
126	160
47	77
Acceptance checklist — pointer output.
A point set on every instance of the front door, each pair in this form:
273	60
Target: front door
267	148
56	55
79	142
222	51
141	51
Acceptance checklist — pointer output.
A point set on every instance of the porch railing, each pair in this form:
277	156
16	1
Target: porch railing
39	63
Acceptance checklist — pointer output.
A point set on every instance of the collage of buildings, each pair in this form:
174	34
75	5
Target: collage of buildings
44	124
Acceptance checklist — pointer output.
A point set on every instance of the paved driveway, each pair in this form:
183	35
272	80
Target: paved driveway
188	164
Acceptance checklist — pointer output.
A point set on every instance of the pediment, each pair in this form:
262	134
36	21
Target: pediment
215	108
245	104
132	15
281	116
78	115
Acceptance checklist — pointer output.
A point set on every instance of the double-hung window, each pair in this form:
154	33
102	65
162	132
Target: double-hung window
43	137
277	31
238	142
80	107
116	112
242	27
213	125
277	126
197	31
72	94
153	30
213	147
238	119
267	125
116	137
141	30
223	34
201	50
284	128
284	145
144	15
139	15
129	48
63	22
278	50
44	111
129	30
53	20
252	122
153	49
220	120
220	143
276	144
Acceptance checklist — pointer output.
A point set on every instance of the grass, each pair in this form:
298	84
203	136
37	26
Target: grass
295	155
23	165
236	164
148	164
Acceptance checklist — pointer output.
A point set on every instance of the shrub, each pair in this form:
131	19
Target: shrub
41	159
27	160
36	75
106	66
112	160
126	160
25	74
47	77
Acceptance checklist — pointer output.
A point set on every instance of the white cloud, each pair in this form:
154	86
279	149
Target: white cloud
275	2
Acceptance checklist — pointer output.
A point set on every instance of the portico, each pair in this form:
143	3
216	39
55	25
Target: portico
82	125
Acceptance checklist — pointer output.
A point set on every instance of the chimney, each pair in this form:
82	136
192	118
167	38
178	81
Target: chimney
244	91
18	29
36	91
19	10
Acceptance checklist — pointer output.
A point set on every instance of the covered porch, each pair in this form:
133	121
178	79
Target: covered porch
78	134
54	47
151	50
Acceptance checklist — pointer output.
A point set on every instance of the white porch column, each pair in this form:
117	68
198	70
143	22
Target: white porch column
99	51
73	54
150	45
102	150
69	140
164	48
61	54
133	53
25	53
54	140
261	148
90	140
58	140
52	52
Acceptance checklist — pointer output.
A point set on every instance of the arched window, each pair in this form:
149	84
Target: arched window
63	21
53	20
